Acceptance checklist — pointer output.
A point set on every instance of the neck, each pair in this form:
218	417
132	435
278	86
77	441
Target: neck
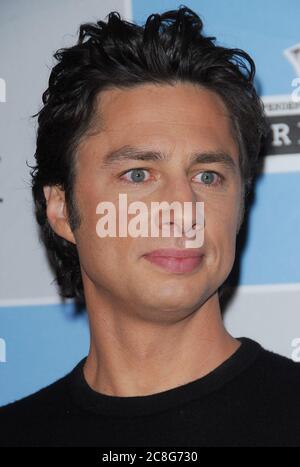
132	357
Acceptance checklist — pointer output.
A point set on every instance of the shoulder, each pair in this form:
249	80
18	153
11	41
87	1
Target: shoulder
266	363
273	381
277	366
26	417
41	399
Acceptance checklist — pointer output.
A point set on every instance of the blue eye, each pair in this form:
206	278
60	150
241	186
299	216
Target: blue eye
208	177
135	175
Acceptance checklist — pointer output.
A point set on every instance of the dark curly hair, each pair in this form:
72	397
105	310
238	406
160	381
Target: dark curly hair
167	49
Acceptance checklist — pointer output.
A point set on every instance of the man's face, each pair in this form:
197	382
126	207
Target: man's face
179	121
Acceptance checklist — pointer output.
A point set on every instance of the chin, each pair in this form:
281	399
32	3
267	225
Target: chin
174	296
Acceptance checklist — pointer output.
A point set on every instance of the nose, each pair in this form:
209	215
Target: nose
182	212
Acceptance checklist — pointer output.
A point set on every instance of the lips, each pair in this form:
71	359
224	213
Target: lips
175	260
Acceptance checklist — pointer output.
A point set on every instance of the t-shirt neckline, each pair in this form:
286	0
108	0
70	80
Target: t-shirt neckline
89	399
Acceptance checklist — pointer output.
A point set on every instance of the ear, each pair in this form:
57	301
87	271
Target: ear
57	212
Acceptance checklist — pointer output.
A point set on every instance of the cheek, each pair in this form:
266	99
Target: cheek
103	253
221	219
222	211
100	260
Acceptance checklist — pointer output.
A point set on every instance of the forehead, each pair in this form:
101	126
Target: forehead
182	115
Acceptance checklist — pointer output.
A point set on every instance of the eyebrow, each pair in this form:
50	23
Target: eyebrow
127	152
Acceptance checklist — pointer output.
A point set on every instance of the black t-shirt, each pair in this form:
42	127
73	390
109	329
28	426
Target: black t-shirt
252	399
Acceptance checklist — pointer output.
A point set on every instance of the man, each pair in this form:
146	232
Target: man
158	113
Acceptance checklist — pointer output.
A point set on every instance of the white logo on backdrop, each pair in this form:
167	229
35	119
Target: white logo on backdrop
2	350
2	90
296	352
293	56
